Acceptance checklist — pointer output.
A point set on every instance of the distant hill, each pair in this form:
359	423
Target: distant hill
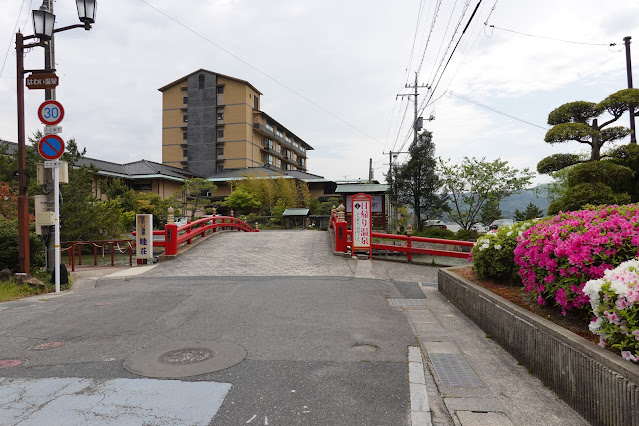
537	195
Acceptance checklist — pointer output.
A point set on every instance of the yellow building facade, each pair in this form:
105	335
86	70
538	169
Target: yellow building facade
213	122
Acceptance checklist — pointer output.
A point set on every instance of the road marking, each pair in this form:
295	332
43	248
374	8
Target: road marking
251	419
93	401
420	410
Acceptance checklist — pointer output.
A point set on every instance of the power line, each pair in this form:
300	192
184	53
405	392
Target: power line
453	52
13	35
494	110
553	39
259	70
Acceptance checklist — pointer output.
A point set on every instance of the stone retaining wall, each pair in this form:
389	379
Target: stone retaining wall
598	384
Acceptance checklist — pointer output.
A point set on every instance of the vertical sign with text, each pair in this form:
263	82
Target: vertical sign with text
362	220
144	236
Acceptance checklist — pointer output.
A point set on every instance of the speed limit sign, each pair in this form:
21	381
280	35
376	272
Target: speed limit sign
51	112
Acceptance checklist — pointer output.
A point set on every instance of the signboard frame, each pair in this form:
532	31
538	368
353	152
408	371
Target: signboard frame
361	223
42	80
42	112
144	236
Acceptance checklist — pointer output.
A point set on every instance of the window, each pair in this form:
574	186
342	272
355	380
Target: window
220	133
262	141
220	167
220	151
185	136
288	166
185	100
220	90
256	104
269	143
185	118
279	163
279	133
263	158
269	159
287	138
220	116
303	161
270	126
294	157
185	153
278	147
295	144
201	81
287	153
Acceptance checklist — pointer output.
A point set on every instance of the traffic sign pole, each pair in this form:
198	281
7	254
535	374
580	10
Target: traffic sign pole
56	225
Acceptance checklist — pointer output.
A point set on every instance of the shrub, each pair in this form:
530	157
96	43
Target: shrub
493	254
433	232
9	255
615	303
467	235
558	255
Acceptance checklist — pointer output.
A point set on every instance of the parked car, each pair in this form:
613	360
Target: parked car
434	223
500	222
478	227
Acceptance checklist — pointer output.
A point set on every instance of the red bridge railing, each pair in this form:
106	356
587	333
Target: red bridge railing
175	235
344	236
74	250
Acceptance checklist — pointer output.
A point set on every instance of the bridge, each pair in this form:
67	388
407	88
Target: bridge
259	328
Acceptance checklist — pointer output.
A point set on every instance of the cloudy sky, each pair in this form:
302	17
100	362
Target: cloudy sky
331	70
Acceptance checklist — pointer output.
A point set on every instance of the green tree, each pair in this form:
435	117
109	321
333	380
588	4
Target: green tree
242	201
579	121
490	211
474	183
193	195
417	182
531	212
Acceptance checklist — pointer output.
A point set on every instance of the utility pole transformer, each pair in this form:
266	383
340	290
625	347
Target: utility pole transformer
633	136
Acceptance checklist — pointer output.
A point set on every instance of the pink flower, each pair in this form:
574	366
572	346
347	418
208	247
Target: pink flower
628	356
636	334
602	342
621	303
612	317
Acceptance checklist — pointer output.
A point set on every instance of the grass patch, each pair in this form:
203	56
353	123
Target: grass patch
9	290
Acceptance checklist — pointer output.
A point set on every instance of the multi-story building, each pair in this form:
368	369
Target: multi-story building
212	122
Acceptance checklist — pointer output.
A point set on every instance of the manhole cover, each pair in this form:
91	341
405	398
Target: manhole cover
186	356
46	346
184	359
8	363
365	348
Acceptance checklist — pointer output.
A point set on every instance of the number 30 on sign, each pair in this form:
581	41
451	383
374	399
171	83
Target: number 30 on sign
51	113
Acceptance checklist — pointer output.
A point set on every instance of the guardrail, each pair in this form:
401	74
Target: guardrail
175	235
344	236
112	244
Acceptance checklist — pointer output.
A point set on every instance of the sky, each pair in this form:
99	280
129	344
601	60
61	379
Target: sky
331	71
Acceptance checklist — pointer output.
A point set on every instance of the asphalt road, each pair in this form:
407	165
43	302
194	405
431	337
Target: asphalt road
322	344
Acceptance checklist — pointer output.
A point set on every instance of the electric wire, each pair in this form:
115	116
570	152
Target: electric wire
443	40
551	38
12	36
494	110
259	71
430	33
453	52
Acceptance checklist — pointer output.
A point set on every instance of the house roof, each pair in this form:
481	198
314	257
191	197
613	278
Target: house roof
295	212
366	188
183	79
142	169
264	172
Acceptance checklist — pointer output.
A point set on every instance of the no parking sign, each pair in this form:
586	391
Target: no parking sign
51	147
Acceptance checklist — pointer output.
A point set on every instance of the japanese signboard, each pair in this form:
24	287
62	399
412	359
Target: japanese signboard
377	205
42	81
362	220
144	236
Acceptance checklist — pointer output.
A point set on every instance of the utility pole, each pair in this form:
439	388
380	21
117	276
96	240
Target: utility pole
633	136
370	171
417	123
48	233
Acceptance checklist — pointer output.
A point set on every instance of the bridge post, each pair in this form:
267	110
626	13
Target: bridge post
170	239
409	234
340	236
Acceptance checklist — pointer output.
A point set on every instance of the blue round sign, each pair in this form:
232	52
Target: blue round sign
51	147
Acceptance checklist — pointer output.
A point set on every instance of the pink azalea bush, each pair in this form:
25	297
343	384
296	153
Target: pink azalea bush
557	256
615	303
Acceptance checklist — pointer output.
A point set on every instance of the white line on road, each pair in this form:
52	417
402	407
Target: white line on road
420	410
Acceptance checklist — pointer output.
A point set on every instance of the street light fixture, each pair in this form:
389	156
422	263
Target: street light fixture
43	29
86	10
43	22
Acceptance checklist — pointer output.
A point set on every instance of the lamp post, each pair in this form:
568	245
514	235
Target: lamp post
43	30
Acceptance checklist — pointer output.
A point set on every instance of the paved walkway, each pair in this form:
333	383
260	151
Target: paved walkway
342	333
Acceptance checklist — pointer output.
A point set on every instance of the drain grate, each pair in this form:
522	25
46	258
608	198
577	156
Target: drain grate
407	302
453	370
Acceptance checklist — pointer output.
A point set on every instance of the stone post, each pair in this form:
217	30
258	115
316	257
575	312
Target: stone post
170	218
341	216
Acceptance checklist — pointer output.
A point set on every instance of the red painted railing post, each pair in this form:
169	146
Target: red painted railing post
409	234
72	257
80	255
171	239
130	254
188	230
112	253
340	236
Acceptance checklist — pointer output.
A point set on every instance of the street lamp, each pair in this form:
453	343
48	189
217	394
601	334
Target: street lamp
43	29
